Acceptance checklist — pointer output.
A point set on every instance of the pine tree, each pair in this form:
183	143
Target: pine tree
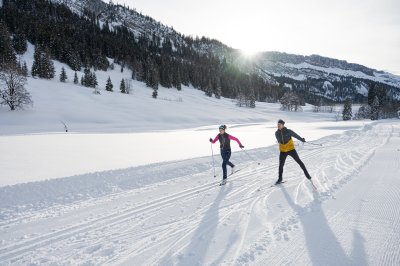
7	54
122	86
375	108
76	81
151	74
252	99
63	75
36	62
20	43
347	113
109	85
43	66
73	60
24	69
86	79
155	93
93	80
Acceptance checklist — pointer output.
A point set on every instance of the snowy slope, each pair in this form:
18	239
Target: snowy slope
175	214
83	111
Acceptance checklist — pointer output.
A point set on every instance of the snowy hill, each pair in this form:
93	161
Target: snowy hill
82	111
332	78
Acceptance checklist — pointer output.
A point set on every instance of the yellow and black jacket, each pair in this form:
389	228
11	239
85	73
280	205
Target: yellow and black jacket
284	137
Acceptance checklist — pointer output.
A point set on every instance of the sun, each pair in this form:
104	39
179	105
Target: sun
249	52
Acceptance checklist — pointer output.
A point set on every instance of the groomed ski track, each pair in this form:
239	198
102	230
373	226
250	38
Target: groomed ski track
176	214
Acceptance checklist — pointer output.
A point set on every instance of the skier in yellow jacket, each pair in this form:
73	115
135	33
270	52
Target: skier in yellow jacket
286	147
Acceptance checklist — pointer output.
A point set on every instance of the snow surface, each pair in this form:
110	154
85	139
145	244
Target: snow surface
132	182
174	213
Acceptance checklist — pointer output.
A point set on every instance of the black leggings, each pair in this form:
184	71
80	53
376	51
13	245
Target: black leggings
226	155
295	156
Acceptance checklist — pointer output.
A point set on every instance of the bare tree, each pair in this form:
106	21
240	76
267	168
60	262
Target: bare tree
12	90
128	86
290	102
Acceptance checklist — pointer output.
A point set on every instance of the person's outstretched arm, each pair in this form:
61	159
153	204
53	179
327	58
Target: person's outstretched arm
215	139
237	140
293	134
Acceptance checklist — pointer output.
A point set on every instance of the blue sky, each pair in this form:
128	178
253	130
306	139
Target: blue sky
359	31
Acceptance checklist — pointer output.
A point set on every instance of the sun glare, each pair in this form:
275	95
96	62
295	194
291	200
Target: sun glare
249	53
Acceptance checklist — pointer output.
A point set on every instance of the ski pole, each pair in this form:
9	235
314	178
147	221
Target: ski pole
212	154
250	156
315	144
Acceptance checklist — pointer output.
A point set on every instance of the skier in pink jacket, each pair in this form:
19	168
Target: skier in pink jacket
225	146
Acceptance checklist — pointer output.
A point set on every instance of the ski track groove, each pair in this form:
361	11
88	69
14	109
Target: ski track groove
370	148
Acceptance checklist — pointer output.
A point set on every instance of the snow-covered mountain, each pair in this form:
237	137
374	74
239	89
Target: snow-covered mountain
323	75
313	75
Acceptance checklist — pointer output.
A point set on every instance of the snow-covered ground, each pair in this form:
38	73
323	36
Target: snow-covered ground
174	213
132	182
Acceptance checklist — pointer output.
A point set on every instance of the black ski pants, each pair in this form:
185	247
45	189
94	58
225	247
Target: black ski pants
226	155
295	156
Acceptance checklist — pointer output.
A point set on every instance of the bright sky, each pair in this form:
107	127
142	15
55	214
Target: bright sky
359	31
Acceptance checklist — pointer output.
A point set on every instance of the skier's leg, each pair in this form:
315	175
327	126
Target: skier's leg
224	162
296	157
228	156
282	159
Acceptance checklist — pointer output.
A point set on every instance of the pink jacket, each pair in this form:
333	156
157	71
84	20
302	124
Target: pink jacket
230	137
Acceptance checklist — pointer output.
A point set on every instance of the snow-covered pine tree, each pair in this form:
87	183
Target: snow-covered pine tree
241	99
155	94
93	80
86	78
375	108
24	69
364	112
73	60
43	66
76	80
252	99
122	86
109	85
347	113
63	75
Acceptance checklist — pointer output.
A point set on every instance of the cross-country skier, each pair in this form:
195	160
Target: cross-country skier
286	146
225	146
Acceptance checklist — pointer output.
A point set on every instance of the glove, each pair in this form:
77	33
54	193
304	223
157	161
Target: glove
241	146
303	140
211	140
